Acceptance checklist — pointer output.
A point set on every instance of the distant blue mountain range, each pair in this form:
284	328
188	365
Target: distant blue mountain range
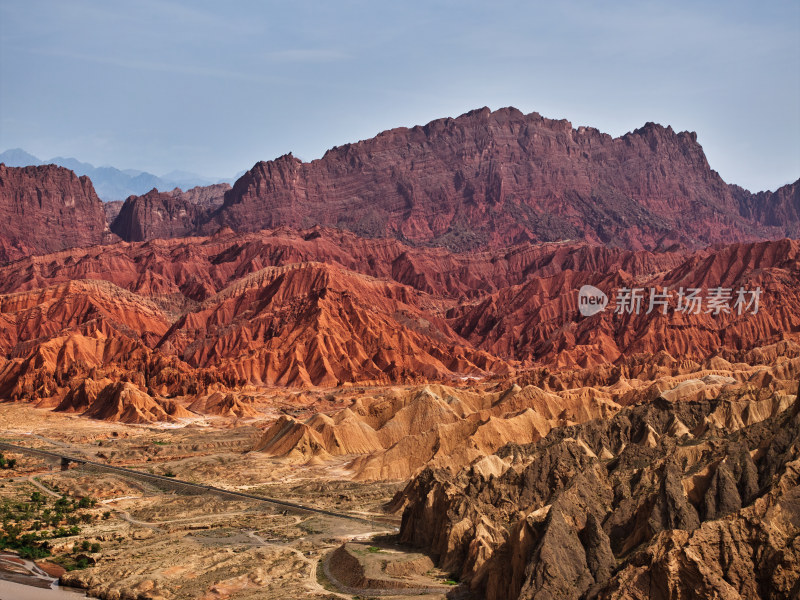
111	183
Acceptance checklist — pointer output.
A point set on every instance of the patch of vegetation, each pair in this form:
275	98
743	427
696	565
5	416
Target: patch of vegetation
27	545
79	558
308	529
27	525
86	546
367	550
72	562
322	579
7	463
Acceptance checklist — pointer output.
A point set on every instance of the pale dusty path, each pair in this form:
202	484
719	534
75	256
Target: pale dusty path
368	592
46	490
313	564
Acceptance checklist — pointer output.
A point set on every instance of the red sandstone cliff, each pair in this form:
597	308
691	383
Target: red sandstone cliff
503	177
46	209
166	214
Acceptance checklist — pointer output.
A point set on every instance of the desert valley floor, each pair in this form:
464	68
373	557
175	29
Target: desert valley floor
712	448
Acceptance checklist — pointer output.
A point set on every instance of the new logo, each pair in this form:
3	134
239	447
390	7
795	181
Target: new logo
591	300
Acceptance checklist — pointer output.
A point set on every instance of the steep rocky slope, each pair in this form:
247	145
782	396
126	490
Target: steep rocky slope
503	177
315	324
112	210
123	402
225	405
779	209
395	433
46	209
423	288
199	268
204	196
166	214
58	340
669	499
541	318
325	308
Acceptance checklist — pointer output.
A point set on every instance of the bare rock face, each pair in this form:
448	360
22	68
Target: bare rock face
313	324
205	196
112	209
325	307
224	405
484	179
722	496
601	510
498	178
94	333
529	318
47	209
155	215
672	510
82	396
559	562
599	557
775	209
166	214
126	403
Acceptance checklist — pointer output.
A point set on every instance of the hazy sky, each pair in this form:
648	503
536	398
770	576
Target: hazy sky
213	87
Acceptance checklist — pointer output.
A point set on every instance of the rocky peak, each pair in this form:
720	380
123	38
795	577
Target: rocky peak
46	209
166	214
502	177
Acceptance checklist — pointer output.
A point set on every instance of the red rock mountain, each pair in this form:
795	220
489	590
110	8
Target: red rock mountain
46	209
484	179
620	455
540	318
315	324
499	178
325	307
166	214
778	209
